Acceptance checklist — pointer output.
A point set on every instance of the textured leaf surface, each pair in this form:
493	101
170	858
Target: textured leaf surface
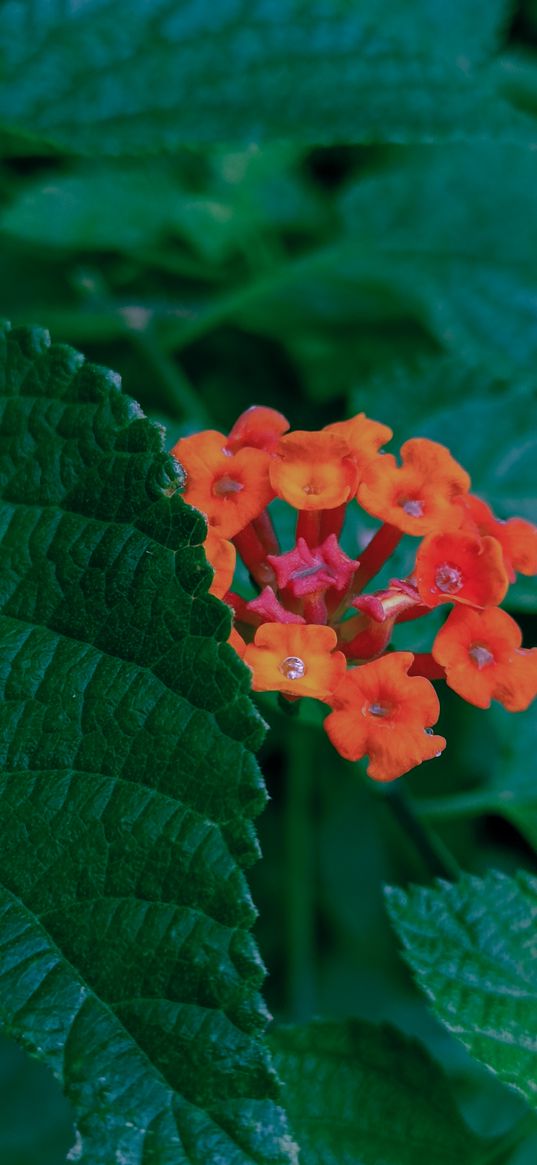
357	1094
473	949
464	260
127	785
247	69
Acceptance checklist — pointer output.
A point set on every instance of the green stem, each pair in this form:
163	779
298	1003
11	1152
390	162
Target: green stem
220	310
300	873
175	390
427	843
460	805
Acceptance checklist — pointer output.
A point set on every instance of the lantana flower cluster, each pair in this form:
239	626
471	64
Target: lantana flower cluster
317	627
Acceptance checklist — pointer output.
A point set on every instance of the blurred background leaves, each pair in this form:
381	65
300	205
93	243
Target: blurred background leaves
323	207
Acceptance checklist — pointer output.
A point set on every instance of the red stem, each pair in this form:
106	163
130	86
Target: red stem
266	533
315	608
308	526
332	521
370	638
415	612
253	554
425	665
374	556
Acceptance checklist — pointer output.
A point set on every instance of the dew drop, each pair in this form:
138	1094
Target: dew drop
413	507
449	579
293	668
379	709
481	655
226	485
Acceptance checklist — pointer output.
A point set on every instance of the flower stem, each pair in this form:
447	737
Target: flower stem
374	556
308	526
457	806
175	390
425	665
430	847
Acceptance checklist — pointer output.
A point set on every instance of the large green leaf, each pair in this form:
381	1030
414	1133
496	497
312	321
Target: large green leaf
473	949
454	233
357	1094
127	785
117	77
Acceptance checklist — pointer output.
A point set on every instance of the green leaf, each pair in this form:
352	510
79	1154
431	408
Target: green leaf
147	206
357	1094
123	77
473	949
433	231
128	785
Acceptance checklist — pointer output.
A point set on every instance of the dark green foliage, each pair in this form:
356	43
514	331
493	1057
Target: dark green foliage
127	784
357	1094
326	207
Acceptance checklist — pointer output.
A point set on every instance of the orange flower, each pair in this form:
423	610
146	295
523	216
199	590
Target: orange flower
363	437
258	428
298	660
517	537
460	568
313	471
237	642
381	712
222	556
418	496
229	488
483	659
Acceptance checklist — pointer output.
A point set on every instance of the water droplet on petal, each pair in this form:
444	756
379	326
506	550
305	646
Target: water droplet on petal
481	655
379	709
448	579
413	507
225	485
293	668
